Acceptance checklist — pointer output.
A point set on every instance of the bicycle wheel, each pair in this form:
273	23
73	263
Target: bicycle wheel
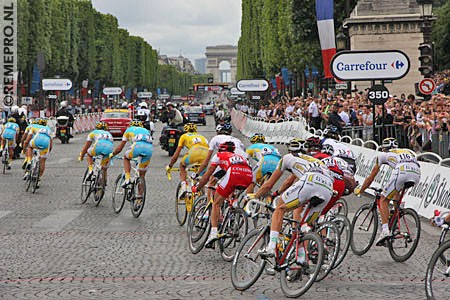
330	235
345	230
5	158
199	227
138	197
99	187
85	186
118	194
235	228
35	176
180	207
341	207
247	264
405	235
200	199
297	278
29	179
364	229
444	259
437	279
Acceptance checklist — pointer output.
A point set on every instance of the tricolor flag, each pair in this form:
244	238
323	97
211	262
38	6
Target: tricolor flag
325	25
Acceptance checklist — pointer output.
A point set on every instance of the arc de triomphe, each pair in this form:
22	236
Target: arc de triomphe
215	58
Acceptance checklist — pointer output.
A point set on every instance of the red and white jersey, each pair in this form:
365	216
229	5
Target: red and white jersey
225	160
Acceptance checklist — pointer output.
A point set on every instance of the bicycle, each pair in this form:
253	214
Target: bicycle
437	279
5	157
134	193
183	205
34	172
96	184
233	225
292	241
365	225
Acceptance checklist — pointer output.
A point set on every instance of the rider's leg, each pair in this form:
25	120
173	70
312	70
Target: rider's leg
126	167
183	172
42	166
277	222
90	161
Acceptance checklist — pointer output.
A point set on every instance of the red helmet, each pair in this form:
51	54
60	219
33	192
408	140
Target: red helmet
227	147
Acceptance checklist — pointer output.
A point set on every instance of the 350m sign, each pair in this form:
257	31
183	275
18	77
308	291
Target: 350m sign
378	94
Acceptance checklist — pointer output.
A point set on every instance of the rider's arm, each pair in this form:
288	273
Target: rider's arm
268	185
206	176
286	184
119	148
181	143
368	181
85	148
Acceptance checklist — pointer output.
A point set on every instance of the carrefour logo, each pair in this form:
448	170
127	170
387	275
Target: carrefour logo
370	65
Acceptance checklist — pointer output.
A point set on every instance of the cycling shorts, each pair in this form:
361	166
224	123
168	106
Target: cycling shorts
142	150
339	187
10	136
42	143
266	165
102	147
308	186
236	175
195	155
402	173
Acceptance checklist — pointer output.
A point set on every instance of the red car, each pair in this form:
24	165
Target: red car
118	120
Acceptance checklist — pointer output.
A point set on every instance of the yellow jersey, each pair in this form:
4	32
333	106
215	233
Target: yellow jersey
190	139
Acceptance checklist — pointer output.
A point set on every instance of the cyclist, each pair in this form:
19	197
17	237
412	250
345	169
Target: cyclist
141	147
197	146
237	173
39	138
99	142
405	174
266	157
314	181
9	135
331	134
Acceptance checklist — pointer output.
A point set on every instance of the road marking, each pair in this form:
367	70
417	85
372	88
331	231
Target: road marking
124	223
4	213
56	221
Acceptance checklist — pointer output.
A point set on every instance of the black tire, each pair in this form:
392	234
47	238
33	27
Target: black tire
243	261
444	259
345	230
331	241
35	176
406	236
436	283
202	199
118	194
137	202
28	182
180	207
5	158
235	226
199	227
99	187
85	187
296	284
364	229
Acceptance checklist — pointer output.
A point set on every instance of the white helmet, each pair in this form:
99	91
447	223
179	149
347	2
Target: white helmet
124	104
14	109
22	111
63	104
143	104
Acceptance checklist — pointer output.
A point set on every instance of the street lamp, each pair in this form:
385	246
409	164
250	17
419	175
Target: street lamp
341	40
425	8
426	48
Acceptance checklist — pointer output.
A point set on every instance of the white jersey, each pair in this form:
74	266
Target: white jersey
222	138
340	149
396	157
301	163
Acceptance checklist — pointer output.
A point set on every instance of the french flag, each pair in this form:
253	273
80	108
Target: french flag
325	25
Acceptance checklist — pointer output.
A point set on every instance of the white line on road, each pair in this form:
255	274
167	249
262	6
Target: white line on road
4	213
56	221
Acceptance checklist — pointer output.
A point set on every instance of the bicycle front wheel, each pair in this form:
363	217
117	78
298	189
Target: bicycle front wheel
138	197
331	243
118	194
437	280
247	264
345	231
341	207
297	278
85	186
235	228
199	226
364	229
405	235
35	176
180	207
99	187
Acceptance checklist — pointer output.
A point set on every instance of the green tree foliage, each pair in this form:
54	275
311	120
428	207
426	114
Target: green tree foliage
441	36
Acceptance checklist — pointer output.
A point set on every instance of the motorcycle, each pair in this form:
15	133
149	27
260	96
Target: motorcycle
169	139
63	129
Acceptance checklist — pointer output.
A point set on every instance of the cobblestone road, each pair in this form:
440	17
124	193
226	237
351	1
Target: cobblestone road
52	247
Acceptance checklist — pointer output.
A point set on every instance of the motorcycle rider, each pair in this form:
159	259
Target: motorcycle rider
63	111
174	118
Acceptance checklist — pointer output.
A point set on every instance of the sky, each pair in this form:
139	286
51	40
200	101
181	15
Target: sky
174	26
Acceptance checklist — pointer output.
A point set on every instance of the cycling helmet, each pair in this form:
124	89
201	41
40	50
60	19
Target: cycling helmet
227	146
143	105
136	123
257	138
314	143
11	120
298	145
42	122
101	125
124	104
170	104
389	143
14	109
224	128
63	104
331	132
328	149
190	127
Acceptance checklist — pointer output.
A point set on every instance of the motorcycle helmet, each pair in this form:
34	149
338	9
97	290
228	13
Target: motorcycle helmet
63	104
136	123
190	127
257	138
101	125
143	105
225	128
14	109
227	146
124	105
